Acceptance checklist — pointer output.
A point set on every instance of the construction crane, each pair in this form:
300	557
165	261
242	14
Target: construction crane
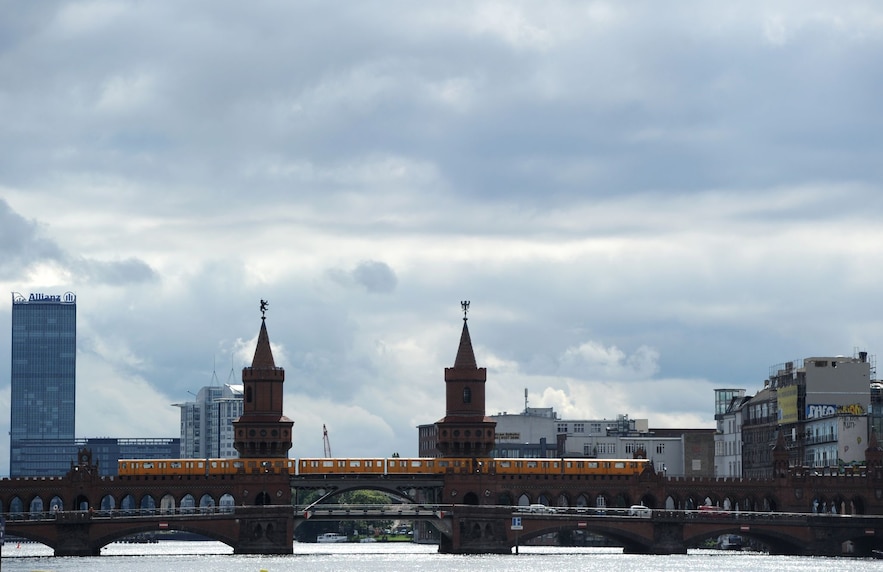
326	442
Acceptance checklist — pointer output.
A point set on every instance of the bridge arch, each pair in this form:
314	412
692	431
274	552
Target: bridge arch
167	504
470	498
207	502
107	502
226	501
563	500
147	502
187	503
128	502
648	500
81	502
36	506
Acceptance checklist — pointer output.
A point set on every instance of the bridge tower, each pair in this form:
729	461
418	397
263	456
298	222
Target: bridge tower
262	430
465	430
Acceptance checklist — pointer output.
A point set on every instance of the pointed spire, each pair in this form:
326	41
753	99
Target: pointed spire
263	355
465	356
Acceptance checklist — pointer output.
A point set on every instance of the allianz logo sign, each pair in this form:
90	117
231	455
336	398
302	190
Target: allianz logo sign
66	298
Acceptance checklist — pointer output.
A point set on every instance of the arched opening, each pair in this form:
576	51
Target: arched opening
543	499
148	504
670	503
167	504
524	500
263	499
582	501
36	508
470	498
505	499
56	504
601	501
188	504
82	503
206	503
16	506
108	503
227	502
563	501
127	504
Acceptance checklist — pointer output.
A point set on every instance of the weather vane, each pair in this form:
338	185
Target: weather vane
263	309
465	305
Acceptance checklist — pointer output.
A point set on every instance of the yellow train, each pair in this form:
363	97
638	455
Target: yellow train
381	466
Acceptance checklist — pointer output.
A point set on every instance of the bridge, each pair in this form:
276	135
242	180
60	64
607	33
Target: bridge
255	511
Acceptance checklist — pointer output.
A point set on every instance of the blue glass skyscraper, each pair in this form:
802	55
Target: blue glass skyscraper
43	379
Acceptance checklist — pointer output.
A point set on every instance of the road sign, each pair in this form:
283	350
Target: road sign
516	523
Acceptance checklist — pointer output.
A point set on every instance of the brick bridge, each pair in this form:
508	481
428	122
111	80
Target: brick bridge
254	513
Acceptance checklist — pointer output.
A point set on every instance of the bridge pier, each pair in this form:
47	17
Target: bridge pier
265	530
74	535
668	538
480	531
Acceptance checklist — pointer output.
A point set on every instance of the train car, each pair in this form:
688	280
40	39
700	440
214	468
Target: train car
353	466
197	467
580	467
427	466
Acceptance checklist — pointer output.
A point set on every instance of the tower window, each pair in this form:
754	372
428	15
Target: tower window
467	395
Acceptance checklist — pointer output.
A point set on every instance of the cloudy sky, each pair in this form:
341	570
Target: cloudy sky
643	201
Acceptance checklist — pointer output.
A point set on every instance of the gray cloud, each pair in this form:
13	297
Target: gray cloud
373	276
639	201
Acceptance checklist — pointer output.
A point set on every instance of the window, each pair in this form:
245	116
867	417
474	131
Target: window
579	428
660	448
467	395
562	428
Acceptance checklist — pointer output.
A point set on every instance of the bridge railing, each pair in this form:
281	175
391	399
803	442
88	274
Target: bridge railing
67	515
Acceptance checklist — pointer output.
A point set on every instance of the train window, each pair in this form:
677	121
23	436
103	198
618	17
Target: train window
619	465
592	465
329	464
200	465
531	464
443	463
504	464
213	464
416	464
175	464
355	463
555	465
148	465
238	464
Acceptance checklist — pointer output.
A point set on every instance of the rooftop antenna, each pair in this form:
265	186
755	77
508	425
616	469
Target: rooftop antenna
215	381
525	400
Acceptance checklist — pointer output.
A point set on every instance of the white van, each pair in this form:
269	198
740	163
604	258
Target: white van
640	510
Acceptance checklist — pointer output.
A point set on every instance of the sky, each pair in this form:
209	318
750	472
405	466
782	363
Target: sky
643	201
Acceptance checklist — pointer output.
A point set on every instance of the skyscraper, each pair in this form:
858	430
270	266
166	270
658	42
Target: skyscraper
207	423
43	379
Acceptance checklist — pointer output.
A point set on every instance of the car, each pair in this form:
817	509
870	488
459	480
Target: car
640	510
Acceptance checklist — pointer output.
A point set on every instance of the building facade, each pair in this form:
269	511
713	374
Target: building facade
43	383
207	422
728	432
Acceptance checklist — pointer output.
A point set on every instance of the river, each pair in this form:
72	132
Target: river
178	556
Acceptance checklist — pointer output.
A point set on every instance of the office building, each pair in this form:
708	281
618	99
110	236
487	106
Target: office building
43	383
207	422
